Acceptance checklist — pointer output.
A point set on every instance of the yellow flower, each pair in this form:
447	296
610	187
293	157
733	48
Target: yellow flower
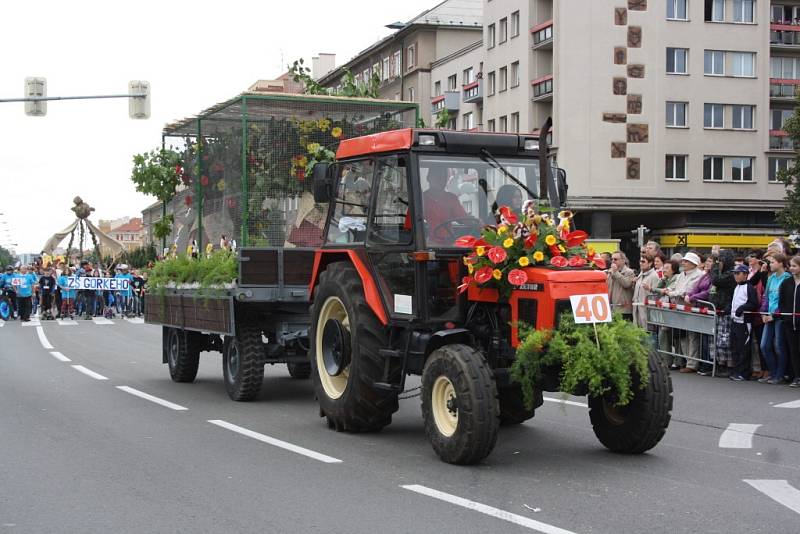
538	256
480	251
524	261
336	132
502	229
561	248
550	240
221	185
564	214
537	219
508	243
470	268
498	274
324	124
312	147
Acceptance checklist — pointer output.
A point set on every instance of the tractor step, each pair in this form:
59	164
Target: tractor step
387	386
390	353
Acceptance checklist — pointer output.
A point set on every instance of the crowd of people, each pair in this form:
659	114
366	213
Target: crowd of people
756	297
44	288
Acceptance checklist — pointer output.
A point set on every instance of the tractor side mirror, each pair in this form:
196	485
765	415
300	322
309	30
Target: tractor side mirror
322	182
561	184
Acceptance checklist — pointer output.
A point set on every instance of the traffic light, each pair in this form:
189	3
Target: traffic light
34	87
139	106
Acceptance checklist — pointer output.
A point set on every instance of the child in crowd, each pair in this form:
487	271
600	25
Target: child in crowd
67	295
745	299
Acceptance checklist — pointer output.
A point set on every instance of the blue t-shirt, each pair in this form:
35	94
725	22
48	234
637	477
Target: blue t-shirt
125	276
63	283
773	284
24	284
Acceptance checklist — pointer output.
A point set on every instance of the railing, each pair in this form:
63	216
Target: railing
784	34
473	92
783	87
780	140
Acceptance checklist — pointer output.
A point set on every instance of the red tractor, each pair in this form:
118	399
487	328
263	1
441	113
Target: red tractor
386	303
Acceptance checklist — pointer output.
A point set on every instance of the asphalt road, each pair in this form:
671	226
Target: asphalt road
81	450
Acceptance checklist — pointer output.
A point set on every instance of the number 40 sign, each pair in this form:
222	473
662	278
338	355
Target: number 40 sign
591	308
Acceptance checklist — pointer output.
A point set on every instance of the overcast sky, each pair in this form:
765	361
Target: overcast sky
194	54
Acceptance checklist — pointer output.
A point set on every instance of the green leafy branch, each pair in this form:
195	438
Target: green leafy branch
350	88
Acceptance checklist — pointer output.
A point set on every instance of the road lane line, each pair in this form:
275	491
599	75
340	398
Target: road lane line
42	339
66	322
780	491
32	322
276	442
488	510
89	372
134	320
792	404
738	436
151	398
101	320
567	402
60	357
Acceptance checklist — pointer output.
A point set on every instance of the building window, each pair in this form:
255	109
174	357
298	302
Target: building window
712	168
676	9
411	57
491	79
676	114
743	117
503	78
385	69
515	74
743	10
676	167
437	89
514	24
468	76
712	116
775	165
715	11
451	124
515	122
452	83
676	60
412	93
490	126
778	118
784	67
742	169
490	36
714	63
503	123
365	76
742	64
468	121
545	34
503	30
398	64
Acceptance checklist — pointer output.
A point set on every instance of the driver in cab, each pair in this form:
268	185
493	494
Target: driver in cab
441	207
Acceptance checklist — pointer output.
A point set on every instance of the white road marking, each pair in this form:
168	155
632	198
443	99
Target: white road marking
567	402
101	320
151	398
276	442
135	320
738	436
2	324
780	491
60	357
488	510
32	322
66	322
792	404
89	372
42	339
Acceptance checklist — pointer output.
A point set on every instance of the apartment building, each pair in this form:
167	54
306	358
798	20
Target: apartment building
457	92
403	60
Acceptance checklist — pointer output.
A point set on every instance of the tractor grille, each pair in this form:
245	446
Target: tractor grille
526	312
562	306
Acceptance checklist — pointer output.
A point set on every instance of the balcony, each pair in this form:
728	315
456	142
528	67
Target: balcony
780	140
543	89
786	36
473	92
448	100
783	88
543	36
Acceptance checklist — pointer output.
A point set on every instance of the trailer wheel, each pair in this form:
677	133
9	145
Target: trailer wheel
512	406
242	363
345	359
639	426
299	371
459	404
183	357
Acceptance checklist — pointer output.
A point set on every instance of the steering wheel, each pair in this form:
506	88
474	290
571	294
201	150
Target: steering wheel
449	231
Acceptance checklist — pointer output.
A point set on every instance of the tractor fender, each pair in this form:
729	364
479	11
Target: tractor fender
448	337
322	258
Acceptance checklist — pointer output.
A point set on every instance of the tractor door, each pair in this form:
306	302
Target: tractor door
390	236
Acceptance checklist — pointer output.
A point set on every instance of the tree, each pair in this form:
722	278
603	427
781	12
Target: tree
158	173
301	73
789	216
6	257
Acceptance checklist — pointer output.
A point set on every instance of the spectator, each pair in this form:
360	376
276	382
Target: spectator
25	282
47	288
744	299
645	282
757	277
652	248
789	303
690	274
67	294
621	280
658	264
723	284
665	335
772	342
606	258
137	286
9	289
698	295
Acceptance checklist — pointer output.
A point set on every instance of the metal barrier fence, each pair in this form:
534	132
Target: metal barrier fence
680	326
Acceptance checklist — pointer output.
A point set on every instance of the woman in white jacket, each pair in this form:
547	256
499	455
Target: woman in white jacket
645	282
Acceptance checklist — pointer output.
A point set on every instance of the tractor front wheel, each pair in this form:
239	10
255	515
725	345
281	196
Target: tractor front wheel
638	426
183	357
243	363
459	404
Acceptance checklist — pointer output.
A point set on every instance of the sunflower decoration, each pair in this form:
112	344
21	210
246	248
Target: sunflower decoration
500	256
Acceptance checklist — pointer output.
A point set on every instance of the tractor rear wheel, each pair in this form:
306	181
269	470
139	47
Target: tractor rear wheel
243	363
512	405
459	404
346	338
183	357
640	425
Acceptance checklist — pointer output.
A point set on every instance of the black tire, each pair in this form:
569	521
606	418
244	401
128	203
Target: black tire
183	357
466	431
512	405
243	364
349	401
299	371
639	426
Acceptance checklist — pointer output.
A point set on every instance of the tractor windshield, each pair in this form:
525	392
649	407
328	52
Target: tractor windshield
461	194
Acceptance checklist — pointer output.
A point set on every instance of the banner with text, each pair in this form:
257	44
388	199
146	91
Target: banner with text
99	284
